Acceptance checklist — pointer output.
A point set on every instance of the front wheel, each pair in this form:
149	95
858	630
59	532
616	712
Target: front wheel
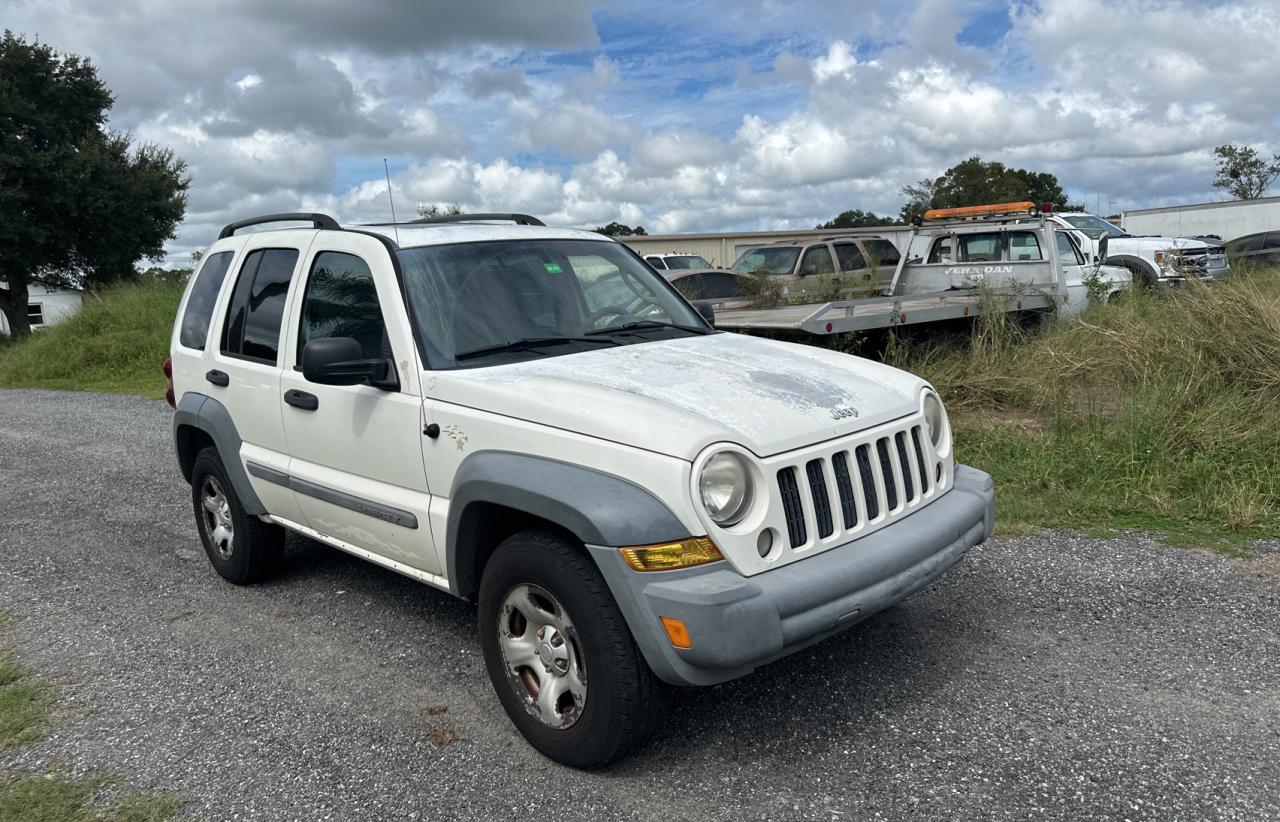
560	655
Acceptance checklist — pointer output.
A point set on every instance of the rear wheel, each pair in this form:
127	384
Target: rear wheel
242	548
560	655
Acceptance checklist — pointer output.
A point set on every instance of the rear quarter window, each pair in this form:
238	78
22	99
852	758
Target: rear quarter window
199	313
257	307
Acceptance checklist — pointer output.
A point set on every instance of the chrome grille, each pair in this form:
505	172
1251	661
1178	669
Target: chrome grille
895	473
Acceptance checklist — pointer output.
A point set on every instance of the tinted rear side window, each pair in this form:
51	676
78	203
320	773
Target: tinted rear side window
881	252
719	286
195	323
850	257
257	306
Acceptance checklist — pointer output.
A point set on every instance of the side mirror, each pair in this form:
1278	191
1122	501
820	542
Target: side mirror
707	310
1102	250
341	361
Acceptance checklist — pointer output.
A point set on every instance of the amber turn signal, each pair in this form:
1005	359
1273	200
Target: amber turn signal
669	556
677	632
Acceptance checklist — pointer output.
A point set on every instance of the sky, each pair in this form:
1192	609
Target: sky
678	116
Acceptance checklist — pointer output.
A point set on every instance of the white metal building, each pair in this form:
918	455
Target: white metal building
723	248
1234	218
47	305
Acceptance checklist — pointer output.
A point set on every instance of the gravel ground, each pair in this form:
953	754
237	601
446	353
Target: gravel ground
1053	676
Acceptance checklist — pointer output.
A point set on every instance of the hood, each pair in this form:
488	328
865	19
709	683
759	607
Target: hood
678	396
1130	244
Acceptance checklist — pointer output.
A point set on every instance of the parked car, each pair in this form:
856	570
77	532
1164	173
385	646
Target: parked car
676	262
722	288
861	264
1256	249
532	419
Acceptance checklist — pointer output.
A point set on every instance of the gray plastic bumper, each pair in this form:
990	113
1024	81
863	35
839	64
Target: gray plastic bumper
738	623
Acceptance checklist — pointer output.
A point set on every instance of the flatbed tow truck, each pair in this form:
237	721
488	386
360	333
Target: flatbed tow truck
956	263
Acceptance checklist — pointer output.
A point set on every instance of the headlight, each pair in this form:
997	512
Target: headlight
935	421
725	484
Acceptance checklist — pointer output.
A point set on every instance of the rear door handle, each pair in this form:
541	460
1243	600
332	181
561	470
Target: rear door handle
301	399
217	377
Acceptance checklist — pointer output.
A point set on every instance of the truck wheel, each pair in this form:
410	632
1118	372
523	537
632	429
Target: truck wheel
560	655
242	548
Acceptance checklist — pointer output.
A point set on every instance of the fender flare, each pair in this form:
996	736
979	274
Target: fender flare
596	507
1137	265
210	416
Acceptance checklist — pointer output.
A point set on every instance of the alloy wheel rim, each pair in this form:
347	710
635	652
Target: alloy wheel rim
216	509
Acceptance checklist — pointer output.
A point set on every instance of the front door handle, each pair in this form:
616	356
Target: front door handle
217	377
301	399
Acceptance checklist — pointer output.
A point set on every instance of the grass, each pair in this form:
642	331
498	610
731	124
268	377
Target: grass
1158	412
24	709
51	799
116	343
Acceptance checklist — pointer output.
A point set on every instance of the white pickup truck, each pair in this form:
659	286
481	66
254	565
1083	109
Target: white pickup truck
1151	260
533	418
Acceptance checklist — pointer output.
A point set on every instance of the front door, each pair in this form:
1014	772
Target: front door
356	463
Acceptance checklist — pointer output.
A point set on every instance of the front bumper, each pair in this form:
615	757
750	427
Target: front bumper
738	623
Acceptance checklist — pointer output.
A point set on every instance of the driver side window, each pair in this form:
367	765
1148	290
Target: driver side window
1067	251
341	301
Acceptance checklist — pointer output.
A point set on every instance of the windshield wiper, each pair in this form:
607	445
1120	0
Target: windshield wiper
528	343
647	324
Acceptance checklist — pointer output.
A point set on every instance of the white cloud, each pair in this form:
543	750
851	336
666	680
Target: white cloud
757	114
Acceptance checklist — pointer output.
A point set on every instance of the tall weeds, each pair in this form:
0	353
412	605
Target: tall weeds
1156	408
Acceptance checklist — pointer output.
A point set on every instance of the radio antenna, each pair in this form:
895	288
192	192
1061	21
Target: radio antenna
394	225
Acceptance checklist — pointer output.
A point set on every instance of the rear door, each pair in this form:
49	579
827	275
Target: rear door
244	369
356	454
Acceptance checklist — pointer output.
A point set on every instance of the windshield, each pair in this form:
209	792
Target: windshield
477	304
685	262
1094	227
766	261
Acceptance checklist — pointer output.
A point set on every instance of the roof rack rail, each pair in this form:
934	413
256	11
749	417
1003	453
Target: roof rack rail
518	219
323	221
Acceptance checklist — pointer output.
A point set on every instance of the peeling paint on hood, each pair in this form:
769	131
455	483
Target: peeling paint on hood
678	396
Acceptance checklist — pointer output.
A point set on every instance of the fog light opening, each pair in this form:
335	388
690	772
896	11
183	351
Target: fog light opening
764	543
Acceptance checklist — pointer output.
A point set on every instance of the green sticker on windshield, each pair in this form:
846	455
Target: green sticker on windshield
553	268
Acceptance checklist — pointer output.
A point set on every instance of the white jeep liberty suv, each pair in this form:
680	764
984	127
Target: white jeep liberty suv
532	418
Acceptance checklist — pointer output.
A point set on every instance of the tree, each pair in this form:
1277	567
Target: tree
616	229
1244	173
439	210
79	206
974	182
856	218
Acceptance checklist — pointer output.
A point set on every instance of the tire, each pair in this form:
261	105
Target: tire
620	700
242	548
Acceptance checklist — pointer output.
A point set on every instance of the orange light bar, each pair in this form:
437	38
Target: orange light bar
969	212
677	632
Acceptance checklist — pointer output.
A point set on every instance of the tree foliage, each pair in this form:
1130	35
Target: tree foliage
616	229
1243	172
430	210
79	205
856	218
974	182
